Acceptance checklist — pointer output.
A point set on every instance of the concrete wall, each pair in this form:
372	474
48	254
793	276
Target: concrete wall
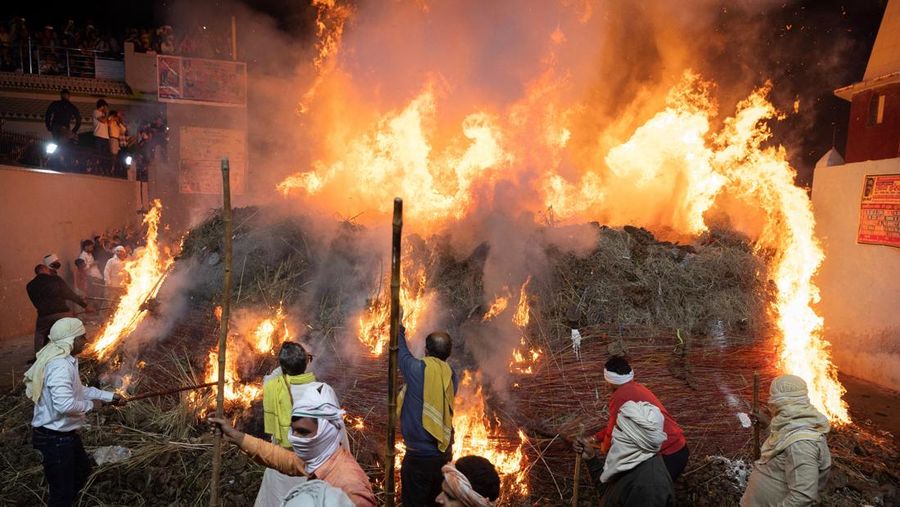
860	284
43	212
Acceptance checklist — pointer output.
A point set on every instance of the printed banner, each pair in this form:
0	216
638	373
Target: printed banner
201	81
879	211
200	162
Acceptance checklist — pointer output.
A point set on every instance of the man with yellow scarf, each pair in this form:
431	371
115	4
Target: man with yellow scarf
281	388
794	461
426	417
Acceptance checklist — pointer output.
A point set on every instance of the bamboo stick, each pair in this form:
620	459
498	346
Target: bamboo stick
214	499
389	487
755	416
577	477
169	391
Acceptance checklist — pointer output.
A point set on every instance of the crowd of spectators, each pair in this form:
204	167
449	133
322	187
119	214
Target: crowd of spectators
49	43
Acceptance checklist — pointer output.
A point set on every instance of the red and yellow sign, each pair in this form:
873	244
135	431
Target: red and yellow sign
879	211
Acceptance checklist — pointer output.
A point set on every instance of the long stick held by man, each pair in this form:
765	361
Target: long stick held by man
223	333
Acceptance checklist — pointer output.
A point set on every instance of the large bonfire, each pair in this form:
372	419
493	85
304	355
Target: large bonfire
523	185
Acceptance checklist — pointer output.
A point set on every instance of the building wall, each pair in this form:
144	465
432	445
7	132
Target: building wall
876	141
860	284
43	212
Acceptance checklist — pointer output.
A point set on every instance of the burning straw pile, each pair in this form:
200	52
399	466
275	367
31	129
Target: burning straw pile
686	315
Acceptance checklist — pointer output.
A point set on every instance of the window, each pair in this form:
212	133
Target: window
876	110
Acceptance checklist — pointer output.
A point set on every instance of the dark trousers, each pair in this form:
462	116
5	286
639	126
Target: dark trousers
66	465
420	480
676	462
42	328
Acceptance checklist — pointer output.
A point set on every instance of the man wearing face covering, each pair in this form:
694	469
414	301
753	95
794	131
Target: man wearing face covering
794	460
60	405
317	427
634	472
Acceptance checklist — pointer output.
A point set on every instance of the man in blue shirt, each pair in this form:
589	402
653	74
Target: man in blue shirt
426	418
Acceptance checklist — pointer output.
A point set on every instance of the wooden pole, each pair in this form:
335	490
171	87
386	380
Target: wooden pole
154	394
223	334
755	417
389	487
577	477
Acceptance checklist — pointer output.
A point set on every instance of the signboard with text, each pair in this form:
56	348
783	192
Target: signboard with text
201	153
879	211
201	81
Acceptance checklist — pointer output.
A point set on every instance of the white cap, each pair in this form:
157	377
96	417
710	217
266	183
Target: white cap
50	259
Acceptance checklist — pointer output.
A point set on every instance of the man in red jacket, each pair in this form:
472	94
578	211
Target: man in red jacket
619	374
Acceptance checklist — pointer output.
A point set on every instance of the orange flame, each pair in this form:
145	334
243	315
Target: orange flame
497	307
477	435
146	272
269	330
375	321
523	311
243	394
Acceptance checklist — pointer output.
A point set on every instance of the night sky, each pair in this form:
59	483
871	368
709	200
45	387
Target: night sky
803	34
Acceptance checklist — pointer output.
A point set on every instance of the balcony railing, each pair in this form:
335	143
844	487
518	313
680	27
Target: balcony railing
29	58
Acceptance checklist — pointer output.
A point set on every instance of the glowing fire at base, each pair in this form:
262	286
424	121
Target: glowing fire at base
235	392
146	273
375	321
476	435
271	330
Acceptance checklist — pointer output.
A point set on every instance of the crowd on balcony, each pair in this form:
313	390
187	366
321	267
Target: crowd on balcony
18	36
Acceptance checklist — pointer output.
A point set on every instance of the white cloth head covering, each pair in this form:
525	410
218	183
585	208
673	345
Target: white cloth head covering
316	493
119	248
618	379
461	488
50	259
319	403
793	417
62	339
637	437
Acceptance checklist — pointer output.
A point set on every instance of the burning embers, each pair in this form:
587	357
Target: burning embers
147	270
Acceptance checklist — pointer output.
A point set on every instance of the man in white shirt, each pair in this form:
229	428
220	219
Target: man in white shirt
95	277
101	127
60	405
114	273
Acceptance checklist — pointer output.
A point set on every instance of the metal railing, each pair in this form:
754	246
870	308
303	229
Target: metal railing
30	58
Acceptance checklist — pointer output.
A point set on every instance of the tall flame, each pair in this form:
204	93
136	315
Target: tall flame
478	435
146	272
375	320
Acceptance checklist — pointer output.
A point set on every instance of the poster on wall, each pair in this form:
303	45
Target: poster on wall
879	211
201	81
201	153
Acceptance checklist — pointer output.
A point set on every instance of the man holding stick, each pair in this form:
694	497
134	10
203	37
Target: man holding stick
285	384
620	376
317	426
60	405
426	417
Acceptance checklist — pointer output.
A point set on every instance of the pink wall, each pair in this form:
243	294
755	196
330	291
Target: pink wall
43	212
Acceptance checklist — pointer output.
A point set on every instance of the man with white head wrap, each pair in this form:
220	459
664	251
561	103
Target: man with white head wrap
114	273
470	482
61	402
634	472
317	427
794	460
620	376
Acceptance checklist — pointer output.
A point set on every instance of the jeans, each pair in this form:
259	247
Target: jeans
66	465
421	479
